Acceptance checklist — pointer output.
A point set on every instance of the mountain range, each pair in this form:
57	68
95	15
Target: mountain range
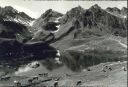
83	36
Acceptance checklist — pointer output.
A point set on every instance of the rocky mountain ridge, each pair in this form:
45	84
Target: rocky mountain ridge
92	21
8	13
119	12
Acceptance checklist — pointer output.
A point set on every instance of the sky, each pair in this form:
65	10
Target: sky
35	8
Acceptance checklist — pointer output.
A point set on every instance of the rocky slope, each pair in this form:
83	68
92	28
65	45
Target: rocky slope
93	21
45	25
8	13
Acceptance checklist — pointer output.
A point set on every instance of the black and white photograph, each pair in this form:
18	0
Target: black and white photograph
63	43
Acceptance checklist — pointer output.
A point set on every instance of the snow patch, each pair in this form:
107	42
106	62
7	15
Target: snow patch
125	16
57	19
58	26
57	59
58	53
23	70
31	23
84	70
26	68
36	33
119	41
124	45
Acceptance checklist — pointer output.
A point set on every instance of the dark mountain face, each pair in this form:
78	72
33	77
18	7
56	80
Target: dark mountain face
8	13
12	50
13	30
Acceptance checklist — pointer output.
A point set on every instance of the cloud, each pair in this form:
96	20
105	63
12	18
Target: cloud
27	11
